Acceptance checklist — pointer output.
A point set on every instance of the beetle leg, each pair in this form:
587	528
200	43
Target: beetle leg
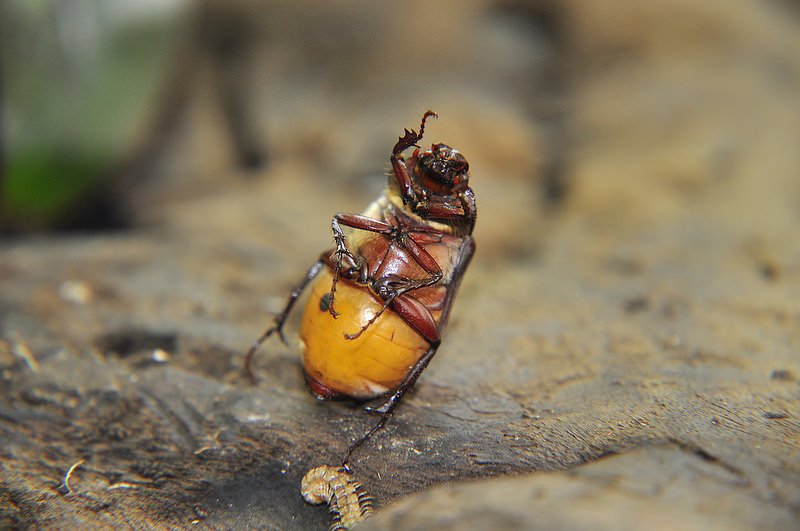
391	404
445	210
372	319
354	221
410	138
387	409
280	319
391	293
340	252
423	323
421	256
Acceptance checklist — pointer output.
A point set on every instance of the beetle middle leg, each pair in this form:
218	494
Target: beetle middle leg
387	288
390	288
354	221
280	319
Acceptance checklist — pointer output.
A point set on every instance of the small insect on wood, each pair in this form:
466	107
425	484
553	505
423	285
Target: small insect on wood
346	498
381	297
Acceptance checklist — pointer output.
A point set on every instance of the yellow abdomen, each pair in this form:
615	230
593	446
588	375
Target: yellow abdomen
368	366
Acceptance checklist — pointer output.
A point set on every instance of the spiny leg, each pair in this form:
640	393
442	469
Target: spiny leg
354	221
280	319
374	318
414	314
388	408
390	287
410	138
389	292
341	250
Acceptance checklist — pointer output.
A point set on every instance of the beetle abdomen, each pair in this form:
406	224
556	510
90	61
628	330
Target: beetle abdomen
365	367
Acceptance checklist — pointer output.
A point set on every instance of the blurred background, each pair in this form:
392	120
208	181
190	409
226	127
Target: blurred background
170	168
114	109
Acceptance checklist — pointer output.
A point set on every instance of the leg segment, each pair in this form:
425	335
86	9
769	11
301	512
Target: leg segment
388	288
356	222
411	378
280	319
387	409
412	313
410	138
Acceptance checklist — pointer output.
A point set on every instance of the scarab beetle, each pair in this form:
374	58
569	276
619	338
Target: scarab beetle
381	297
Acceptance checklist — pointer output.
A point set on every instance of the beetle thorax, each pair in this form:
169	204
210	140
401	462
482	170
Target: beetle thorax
391	199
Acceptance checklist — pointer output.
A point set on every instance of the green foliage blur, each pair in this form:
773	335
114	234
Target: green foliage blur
78	79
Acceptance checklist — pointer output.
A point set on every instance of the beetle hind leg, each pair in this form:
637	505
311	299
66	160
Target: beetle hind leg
387	409
280	319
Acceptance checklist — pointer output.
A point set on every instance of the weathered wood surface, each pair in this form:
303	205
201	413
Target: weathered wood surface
629	352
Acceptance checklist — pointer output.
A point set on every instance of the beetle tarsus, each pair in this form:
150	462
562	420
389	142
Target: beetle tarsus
364	438
425	117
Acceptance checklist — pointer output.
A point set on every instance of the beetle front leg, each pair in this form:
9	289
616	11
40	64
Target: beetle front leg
410	138
280	319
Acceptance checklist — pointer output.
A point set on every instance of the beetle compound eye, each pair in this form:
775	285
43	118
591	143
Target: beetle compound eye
325	302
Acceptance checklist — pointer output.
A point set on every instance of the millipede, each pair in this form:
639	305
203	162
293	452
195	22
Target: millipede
346	498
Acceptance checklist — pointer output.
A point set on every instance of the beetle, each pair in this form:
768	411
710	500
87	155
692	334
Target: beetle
381	297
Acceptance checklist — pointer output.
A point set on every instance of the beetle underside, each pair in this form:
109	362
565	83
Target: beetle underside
381	297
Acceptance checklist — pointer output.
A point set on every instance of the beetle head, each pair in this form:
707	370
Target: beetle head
443	167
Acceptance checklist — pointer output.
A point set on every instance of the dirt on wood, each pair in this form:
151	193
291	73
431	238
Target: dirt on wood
624	352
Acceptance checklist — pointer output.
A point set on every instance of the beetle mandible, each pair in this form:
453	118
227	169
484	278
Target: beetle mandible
381	297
